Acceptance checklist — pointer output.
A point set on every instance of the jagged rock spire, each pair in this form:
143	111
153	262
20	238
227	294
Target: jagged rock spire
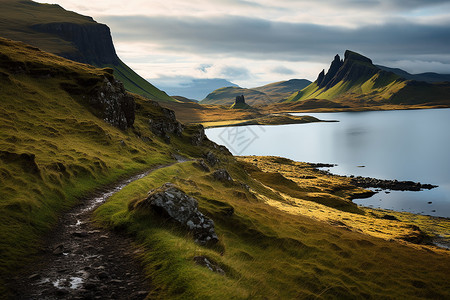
334	68
320	77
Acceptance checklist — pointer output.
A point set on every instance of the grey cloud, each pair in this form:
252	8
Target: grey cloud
204	67
262	39
283	70
235	72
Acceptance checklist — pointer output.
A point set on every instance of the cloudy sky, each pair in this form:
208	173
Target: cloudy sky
254	42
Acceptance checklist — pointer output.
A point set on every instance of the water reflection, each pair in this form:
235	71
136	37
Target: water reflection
404	145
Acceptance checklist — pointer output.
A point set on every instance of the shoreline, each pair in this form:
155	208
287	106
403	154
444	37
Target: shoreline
415	229
271	119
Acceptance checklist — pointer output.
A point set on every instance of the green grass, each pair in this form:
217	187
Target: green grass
138	85
54	150
266	253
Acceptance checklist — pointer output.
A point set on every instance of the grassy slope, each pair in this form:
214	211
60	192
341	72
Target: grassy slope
16	17
227	96
269	93
383	88
138	85
377	88
266	252
283	89
53	149
269	252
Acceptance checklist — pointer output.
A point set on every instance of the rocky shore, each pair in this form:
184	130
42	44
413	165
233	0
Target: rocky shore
383	184
395	185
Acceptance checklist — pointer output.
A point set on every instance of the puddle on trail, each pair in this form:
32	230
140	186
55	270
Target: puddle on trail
71	282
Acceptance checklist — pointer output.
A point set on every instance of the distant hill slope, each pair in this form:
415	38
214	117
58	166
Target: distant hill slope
427	77
72	36
267	94
356	81
191	88
227	95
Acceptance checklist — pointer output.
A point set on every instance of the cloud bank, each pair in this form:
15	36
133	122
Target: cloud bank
254	42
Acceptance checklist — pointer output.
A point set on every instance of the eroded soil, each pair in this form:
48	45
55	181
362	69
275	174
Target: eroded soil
82	261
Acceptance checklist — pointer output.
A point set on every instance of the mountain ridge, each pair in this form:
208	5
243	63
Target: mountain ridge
355	80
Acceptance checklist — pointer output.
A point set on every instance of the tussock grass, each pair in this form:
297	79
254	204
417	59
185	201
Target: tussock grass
54	150
268	251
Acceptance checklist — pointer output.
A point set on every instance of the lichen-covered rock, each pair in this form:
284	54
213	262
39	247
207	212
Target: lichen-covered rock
209	263
198	136
169	201
211	158
165	125
222	175
113	104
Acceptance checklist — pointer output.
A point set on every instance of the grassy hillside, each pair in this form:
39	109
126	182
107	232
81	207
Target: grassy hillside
78	38
285	230
53	148
269	248
227	96
427	77
283	89
263	95
355	81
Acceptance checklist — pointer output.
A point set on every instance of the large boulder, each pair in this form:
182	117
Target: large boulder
222	175
169	201
167	124
113	104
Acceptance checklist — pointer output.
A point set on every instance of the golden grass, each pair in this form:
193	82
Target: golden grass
271	247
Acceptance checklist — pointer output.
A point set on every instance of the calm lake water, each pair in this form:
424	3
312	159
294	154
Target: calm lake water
404	145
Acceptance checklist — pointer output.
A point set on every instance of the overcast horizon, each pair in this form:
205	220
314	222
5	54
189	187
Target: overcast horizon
252	43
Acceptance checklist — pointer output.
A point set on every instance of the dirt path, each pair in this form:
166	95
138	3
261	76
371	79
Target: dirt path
82	261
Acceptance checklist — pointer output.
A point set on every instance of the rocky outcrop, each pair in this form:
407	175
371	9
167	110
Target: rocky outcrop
336	64
354	67
239	99
170	202
368	182
222	175
113	104
211	158
320	77
92	40
166	124
199	136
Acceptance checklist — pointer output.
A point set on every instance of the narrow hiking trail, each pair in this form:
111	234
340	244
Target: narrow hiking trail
82	261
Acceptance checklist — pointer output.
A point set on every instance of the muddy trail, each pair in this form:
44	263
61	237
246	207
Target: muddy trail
82	261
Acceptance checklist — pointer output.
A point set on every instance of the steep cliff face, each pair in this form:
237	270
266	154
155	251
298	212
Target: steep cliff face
354	75
354	67
72	36
92	41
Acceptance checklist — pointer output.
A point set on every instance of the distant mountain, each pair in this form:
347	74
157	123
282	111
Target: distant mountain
267	94
72	36
192	88
427	77
355	80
